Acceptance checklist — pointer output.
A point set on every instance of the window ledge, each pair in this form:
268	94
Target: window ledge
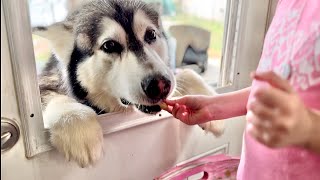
118	121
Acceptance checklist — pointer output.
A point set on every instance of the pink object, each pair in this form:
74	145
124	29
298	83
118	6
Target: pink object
214	167
292	50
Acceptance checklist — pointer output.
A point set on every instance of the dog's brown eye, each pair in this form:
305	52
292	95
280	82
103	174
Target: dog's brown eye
111	47
150	36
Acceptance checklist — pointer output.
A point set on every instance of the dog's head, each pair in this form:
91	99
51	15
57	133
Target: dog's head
116	48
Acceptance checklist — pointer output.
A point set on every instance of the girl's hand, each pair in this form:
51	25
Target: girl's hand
277	117
197	109
190	110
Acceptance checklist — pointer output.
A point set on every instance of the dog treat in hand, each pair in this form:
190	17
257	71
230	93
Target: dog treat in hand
163	105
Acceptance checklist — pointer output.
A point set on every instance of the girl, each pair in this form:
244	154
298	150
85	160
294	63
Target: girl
282	106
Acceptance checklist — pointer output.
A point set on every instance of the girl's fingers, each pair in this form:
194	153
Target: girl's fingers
178	109
272	98
261	111
273	79
265	136
182	114
258	134
261	124
172	102
175	109
168	108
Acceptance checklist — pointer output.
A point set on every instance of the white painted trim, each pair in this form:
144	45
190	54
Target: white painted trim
115	122
223	149
16	15
250	26
229	40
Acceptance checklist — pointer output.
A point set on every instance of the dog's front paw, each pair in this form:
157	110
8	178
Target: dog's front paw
215	127
77	134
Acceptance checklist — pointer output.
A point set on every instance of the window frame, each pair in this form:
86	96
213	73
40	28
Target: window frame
249	20
25	74
229	38
17	21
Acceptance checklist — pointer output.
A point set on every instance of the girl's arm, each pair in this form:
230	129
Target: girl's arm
229	105
197	109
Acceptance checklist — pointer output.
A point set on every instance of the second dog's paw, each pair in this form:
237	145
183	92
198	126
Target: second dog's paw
78	135
215	127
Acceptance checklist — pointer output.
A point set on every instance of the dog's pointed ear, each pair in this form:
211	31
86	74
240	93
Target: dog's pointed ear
53	31
60	35
156	6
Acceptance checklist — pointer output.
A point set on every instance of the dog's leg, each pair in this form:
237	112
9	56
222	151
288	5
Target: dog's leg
74	129
191	83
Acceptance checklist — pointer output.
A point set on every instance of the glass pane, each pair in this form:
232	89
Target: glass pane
202	16
195	34
201	50
43	13
195	30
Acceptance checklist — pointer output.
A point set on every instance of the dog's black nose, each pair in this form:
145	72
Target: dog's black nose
156	87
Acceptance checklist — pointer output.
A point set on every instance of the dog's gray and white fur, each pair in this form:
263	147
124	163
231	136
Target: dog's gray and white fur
107	55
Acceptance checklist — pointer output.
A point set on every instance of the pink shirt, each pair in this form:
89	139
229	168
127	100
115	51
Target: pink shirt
292	50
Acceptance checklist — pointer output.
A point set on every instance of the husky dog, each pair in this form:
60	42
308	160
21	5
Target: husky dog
107	55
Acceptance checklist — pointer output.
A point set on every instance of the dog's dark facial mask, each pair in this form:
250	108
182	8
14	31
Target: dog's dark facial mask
153	109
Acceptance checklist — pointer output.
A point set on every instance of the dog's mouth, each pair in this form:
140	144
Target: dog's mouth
149	109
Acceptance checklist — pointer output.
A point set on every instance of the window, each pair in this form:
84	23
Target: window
205	16
230	24
44	13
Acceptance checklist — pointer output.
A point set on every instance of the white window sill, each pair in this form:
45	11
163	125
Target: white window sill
119	121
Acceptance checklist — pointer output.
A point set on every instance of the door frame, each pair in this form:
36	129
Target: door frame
245	33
